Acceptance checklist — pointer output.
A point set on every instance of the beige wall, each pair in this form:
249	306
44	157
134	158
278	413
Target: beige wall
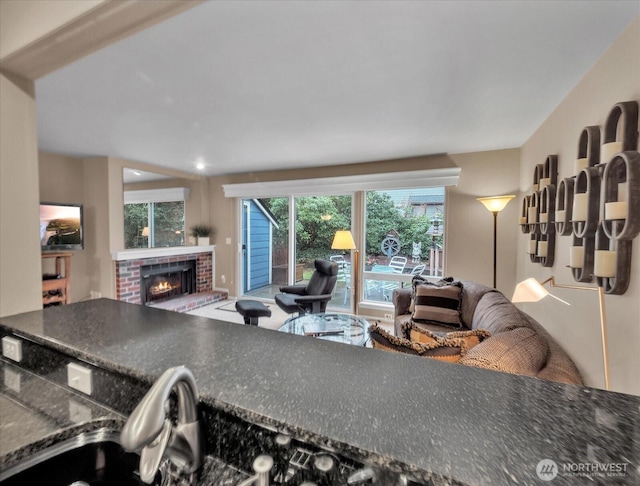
97	184
20	275
63	182
469	238
614	78
22	23
196	207
98	226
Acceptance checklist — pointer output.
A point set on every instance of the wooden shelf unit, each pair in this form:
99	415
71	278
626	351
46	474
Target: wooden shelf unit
62	284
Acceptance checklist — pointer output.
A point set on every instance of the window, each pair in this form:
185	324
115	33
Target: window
393	217
404	238
152	219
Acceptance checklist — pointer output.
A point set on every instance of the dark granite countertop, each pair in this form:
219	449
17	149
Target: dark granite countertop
471	425
36	412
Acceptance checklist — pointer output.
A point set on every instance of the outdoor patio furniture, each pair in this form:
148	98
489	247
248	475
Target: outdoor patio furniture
252	310
344	276
398	263
418	269
339	259
313	297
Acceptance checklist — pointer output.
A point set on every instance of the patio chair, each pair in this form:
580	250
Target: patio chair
339	259
344	276
398	263
418	269
313	297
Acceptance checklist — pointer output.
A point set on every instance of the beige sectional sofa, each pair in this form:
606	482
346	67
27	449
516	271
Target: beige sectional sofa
518	344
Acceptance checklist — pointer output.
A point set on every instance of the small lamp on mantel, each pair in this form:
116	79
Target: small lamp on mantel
495	204
145	231
530	290
343	240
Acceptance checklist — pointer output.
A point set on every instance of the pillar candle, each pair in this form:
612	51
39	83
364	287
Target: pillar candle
576	257
581	164
580	203
560	215
622	192
535	188
604	264
542	249
543	217
615	210
544	182
523	220
532	247
533	215
608	150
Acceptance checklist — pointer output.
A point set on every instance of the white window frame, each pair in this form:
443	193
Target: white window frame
151	196
356	186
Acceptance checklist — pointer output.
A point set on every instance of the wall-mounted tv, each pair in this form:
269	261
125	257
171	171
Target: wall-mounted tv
61	227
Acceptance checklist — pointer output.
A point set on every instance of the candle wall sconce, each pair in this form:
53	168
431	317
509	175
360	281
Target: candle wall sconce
619	208
620	224
537	216
582	246
564	207
606	201
599	207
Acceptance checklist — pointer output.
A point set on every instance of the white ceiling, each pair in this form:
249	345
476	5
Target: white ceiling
248	86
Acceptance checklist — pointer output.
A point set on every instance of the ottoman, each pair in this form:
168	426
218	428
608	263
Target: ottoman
252	310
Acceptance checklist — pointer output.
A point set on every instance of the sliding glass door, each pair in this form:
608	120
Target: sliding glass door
317	219
272	227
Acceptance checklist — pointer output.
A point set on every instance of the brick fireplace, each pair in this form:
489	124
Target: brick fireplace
135	268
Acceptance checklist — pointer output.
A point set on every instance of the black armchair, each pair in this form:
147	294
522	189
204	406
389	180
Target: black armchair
313	297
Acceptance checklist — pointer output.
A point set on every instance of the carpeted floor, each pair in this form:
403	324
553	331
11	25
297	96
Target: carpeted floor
226	311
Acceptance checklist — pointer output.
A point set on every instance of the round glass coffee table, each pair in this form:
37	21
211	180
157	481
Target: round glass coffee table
341	328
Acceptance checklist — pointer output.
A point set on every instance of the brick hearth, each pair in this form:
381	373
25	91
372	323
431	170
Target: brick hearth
128	264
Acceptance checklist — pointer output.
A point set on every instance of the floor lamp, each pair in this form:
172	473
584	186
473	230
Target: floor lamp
530	290
343	240
495	204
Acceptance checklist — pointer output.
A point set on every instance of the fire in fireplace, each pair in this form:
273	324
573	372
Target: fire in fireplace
167	280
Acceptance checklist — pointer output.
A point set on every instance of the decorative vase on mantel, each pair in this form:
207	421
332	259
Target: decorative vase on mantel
203	241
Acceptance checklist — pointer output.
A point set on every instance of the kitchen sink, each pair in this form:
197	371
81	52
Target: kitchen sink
93	458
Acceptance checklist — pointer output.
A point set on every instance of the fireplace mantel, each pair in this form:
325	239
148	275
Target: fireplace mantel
129	263
143	253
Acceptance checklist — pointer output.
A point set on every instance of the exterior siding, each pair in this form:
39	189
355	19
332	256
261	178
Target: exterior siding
259	245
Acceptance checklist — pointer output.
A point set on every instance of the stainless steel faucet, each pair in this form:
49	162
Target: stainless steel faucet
150	430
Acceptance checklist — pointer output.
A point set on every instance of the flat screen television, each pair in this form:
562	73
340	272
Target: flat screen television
61	227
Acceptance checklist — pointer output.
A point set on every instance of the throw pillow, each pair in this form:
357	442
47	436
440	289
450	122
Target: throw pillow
438	304
381	339
521	351
418	279
449	350
416	334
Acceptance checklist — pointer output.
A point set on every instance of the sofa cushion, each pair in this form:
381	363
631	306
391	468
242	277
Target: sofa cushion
414	333
521	351
495	313
438	304
449	350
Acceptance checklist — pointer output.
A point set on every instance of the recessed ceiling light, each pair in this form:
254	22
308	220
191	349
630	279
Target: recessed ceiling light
200	165
135	172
